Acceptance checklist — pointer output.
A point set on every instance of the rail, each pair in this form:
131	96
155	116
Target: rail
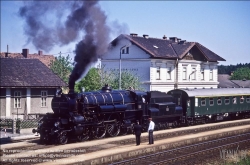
188	152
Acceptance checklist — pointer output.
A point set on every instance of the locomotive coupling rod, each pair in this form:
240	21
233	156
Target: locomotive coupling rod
110	121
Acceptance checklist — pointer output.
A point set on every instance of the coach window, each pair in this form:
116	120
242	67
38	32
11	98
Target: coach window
211	101
242	99
227	101
248	99
203	101
196	102
234	100
219	101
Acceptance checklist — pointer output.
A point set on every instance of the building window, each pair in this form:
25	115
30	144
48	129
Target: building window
168	73
219	101
43	98
242	99
227	101
203	101
202	74
158	73
125	50
184	73
193	73
17	99
211	74
211	101
248	99
234	100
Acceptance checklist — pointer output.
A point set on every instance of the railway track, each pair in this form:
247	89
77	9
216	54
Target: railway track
34	153
197	153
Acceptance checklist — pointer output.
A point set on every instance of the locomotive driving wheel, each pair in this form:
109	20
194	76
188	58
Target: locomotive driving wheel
99	132
123	129
44	139
84	136
62	138
113	129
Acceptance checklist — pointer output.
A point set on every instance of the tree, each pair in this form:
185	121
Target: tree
91	82
96	78
241	73
62	67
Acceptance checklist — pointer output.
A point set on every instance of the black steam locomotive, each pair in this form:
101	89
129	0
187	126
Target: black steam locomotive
112	112
106	112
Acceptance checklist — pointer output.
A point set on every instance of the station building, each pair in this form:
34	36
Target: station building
163	64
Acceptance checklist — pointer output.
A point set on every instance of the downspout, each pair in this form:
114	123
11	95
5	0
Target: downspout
176	74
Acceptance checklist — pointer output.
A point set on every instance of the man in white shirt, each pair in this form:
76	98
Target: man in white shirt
150	131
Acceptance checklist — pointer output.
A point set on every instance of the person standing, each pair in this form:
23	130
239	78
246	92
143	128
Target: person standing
137	132
150	131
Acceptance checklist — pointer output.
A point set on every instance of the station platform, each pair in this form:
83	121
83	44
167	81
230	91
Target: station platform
119	148
114	153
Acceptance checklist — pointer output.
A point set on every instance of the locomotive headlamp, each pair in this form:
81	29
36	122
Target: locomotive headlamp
56	124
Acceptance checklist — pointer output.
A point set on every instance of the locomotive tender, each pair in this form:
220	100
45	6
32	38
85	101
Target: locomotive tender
112	112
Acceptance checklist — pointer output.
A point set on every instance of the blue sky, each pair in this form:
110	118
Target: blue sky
221	26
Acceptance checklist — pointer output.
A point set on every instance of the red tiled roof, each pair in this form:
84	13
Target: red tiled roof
45	59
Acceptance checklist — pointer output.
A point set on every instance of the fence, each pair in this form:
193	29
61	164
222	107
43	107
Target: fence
15	125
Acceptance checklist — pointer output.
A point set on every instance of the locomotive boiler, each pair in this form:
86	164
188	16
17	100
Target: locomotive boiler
106	112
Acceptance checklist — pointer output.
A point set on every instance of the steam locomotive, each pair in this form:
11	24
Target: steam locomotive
108	112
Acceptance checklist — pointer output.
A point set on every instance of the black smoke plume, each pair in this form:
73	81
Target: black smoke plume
85	21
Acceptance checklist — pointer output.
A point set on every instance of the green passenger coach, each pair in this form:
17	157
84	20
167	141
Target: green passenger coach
202	105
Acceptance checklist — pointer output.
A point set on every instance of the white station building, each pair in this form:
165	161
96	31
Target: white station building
164	64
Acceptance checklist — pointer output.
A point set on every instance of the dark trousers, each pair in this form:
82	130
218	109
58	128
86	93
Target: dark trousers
150	137
138	139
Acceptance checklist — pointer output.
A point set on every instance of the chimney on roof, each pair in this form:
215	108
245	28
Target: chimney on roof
133	34
182	41
40	52
164	37
145	36
6	54
25	53
174	39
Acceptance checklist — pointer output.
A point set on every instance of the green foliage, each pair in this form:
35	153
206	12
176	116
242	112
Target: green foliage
97	78
228	69
91	82
241	73
62	67
128	80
